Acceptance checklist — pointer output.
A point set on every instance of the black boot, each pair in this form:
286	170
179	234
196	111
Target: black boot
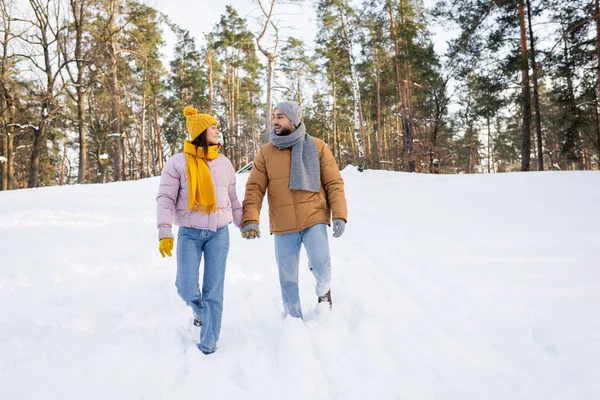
326	298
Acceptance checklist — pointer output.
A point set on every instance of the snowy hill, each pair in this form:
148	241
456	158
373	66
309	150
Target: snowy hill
444	287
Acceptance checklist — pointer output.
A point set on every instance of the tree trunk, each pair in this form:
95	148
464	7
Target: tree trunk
525	93
4	158
399	128
271	55
378	122
358	119
250	155
116	147
63	164
434	164
573	143
536	94
125	143
4	95
231	104
239	126
470	160
81	178
269	106
299	84
469	124
336	147
39	136
489	145
367	148
434	135
409	96
142	165
210	82
159	145
598	129
78	12
7	135
408	140
39	142
597	13
102	165
150	148
11	182
34	165
580	152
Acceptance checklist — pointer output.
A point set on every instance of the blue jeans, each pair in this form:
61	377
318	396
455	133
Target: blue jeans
208	305
287	254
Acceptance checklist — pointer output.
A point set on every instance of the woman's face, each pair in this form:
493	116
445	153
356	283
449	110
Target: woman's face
212	135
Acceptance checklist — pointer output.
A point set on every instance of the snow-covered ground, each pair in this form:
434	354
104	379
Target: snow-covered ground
444	287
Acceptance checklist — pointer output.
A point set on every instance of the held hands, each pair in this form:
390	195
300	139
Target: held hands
165	246
250	231
338	227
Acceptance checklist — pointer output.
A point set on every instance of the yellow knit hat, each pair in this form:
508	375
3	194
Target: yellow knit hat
197	123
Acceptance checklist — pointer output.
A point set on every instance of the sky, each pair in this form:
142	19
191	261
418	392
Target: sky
436	296
298	20
199	17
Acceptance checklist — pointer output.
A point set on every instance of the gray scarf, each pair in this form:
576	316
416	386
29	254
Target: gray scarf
305	171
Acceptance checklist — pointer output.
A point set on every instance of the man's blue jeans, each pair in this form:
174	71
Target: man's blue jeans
208	305
287	253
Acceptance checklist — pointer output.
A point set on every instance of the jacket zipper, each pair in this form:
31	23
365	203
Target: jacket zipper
295	202
296	211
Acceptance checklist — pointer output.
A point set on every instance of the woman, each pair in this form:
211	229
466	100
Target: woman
197	190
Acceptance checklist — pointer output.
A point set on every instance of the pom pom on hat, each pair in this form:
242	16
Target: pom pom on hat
189	110
197	123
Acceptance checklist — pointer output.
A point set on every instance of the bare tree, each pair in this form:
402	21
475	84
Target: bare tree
112	52
271	55
76	28
43	37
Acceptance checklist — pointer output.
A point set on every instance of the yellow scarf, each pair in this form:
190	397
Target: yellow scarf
201	192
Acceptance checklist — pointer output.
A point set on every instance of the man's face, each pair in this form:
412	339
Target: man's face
283	126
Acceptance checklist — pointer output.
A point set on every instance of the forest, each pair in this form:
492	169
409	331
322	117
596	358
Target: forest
89	95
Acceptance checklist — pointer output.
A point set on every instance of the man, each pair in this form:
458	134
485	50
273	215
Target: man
305	188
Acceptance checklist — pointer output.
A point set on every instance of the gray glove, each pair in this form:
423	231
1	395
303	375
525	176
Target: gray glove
338	227
250	231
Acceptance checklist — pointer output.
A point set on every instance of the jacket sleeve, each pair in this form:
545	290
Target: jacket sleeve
256	187
166	198
236	207
332	182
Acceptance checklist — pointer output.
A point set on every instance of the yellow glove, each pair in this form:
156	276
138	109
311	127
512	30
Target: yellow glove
165	246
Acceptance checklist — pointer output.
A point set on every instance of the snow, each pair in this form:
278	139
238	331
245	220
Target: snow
444	287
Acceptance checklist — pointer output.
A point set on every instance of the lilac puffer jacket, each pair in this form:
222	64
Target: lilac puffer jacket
172	198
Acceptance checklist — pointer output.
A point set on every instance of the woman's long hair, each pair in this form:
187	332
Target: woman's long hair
200	141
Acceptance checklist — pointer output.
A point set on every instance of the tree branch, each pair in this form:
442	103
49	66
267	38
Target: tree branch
268	22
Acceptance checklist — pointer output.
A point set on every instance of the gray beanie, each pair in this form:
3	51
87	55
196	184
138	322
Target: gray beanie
291	109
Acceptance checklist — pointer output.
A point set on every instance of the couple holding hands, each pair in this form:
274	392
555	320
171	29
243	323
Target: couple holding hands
198	193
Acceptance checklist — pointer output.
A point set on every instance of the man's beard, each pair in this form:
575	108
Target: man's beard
284	132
